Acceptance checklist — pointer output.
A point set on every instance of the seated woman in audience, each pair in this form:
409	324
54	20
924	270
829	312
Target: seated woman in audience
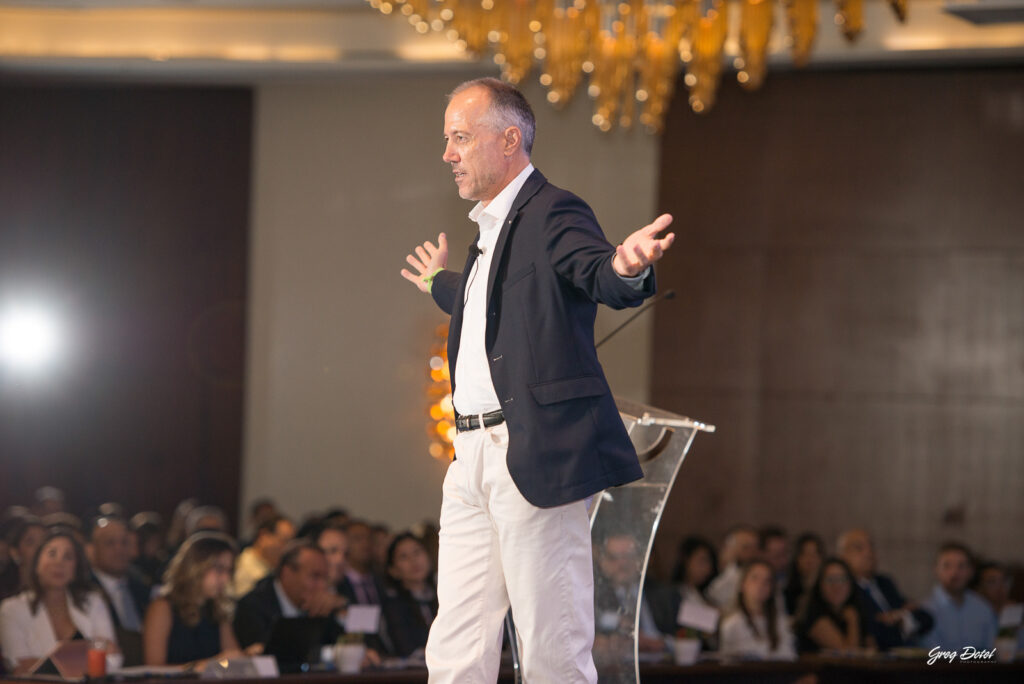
757	628
190	622
808	552
24	536
410	600
831	618
695	568
60	604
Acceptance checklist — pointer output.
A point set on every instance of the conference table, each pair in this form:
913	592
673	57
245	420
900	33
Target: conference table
807	670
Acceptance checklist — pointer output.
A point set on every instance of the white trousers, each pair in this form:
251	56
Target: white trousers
497	548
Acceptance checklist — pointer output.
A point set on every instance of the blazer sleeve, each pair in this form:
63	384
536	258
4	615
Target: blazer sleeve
444	288
15	621
580	254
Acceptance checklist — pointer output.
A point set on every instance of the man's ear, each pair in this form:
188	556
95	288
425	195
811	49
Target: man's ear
513	140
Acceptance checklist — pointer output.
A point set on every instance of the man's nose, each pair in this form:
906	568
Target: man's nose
449	155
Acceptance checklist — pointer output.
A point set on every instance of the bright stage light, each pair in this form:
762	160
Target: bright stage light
29	338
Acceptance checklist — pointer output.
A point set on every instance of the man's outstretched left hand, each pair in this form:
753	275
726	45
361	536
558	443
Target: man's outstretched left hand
642	248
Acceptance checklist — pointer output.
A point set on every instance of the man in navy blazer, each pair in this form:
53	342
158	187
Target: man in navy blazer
538	429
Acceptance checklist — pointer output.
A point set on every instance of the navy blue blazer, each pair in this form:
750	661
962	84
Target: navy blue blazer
551	267
891	636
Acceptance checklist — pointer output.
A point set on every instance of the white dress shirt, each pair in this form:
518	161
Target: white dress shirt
474	389
737	639
121	600
27	635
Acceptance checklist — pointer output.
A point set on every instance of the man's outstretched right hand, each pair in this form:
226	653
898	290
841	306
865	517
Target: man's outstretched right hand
427	260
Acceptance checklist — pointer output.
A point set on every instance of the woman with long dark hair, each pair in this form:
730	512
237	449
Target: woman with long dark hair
831	619
757	628
60	604
410	598
190	622
808	553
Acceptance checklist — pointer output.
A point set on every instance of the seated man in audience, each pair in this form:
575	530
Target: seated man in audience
205	519
618	561
259	510
298	588
124	593
259	560
739	550
891	619
361	584
962	618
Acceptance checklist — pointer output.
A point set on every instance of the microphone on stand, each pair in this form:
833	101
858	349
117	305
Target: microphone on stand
668	294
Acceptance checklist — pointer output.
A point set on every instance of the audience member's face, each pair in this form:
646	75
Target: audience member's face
56	567
411	564
217	577
776	552
953	571
110	549
306	580
474	149
698	567
620	560
152	547
835	585
994	586
273	544
335	547
859	554
743	544
757	585
28	544
360	546
808	560
133	545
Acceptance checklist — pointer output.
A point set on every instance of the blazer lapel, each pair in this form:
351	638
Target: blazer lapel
530	188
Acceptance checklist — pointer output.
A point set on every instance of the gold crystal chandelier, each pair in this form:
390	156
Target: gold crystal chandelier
631	50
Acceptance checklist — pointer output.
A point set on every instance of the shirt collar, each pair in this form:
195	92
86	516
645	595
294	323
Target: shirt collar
497	209
288	609
110	582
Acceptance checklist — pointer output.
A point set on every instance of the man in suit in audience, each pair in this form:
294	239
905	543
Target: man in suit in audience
740	547
126	595
962	618
360	584
298	588
891	619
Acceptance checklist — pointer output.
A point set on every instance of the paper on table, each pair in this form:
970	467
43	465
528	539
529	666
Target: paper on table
699	616
362	619
1011	615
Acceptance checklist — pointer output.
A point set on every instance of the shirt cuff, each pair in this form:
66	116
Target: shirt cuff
636	282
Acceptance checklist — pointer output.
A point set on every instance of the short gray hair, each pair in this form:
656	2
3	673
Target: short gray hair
508	107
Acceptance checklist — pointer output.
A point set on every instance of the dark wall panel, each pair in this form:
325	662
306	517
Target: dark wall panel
851	269
125	210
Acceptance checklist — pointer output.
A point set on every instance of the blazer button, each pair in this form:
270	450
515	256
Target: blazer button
498	357
509	400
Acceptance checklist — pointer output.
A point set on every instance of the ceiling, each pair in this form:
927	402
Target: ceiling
256	40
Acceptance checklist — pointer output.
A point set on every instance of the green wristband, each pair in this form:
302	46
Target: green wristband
429	280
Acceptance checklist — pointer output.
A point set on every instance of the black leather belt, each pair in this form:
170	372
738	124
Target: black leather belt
464	423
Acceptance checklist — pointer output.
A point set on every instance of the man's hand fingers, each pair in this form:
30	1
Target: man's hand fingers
416	263
422	254
442	242
431	249
409	276
659	224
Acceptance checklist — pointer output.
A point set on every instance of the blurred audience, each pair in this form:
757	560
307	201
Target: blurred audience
739	548
831	619
808	553
619	562
24	536
260	559
334	542
892	620
48	500
60	604
125	594
297	588
410	597
361	584
757	626
151	558
190	622
380	541
962	618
